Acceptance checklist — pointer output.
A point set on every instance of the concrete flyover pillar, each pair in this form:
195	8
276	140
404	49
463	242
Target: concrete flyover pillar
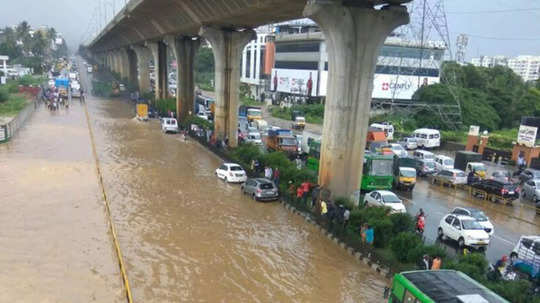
159	56
143	60
227	46
124	64
117	63
184	50
354	37
132	74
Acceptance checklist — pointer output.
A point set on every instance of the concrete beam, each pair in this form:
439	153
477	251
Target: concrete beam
184	50
354	36
227	46
143	61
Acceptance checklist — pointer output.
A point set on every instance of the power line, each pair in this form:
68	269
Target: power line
496	11
503	38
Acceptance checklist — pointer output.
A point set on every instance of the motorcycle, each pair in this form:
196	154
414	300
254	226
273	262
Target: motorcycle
507	274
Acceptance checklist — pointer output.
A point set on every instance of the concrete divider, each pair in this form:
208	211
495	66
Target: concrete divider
9	129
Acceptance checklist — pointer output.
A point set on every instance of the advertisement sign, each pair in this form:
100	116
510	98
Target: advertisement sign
399	86
294	81
389	86
474	130
527	135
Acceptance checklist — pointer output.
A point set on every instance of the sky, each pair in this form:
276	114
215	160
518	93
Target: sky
495	27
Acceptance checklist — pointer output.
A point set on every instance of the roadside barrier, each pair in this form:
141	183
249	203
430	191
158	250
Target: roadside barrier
108	211
9	129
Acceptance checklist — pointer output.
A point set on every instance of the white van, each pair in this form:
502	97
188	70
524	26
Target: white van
387	128
423	155
443	162
427	138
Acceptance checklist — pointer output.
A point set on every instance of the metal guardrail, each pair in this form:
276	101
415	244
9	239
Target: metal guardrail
8	130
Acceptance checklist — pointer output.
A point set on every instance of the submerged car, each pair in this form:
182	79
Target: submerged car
231	172
260	189
450	176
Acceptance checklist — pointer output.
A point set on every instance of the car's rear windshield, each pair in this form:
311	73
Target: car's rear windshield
470	224
429	156
236	168
267	186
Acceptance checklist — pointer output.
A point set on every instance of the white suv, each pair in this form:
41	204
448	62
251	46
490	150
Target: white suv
463	229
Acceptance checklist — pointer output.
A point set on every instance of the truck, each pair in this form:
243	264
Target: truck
404	173
464	157
281	140
250	112
299	123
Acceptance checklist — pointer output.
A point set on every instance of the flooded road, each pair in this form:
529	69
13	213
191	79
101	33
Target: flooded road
185	235
188	237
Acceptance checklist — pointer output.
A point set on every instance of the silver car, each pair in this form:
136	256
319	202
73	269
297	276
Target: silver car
260	189
531	190
450	176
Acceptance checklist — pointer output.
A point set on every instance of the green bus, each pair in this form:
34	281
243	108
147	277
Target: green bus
437	286
312	161
378	172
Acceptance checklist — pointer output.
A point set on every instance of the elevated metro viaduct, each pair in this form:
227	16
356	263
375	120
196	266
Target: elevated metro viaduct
354	29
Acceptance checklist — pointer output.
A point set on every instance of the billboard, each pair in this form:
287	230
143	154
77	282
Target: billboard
389	86
527	135
294	81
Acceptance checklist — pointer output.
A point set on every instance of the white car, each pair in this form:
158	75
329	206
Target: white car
169	125
463	229
255	138
385	198
398	150
202	116
478	215
51	83
231	172
443	162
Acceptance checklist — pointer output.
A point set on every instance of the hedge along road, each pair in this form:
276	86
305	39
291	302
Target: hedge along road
188	237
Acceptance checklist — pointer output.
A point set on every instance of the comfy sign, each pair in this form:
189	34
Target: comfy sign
398	86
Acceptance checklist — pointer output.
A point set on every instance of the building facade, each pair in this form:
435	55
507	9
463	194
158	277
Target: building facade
528	67
299	69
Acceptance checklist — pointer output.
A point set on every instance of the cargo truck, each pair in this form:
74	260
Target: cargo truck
250	112
404	173
281	140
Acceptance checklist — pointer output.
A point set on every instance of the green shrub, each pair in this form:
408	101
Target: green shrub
402	223
163	106
474	265
403	243
383	231
245	153
4	94
514	291
430	250
346	202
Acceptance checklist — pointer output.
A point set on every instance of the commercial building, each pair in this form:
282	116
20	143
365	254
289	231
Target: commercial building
295	65
527	67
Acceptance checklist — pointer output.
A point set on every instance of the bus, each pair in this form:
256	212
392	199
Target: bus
378	172
432	286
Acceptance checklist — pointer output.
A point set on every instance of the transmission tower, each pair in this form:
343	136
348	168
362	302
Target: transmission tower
461	47
428	30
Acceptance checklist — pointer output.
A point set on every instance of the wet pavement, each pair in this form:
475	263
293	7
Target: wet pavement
185	235
54	234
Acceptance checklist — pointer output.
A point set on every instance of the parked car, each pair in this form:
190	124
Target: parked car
169	125
450	176
476	214
443	162
463	229
423	155
528	174
254	138
526	256
398	150
425	167
385	198
231	172
260	189
506	190
531	190
409	143
501	175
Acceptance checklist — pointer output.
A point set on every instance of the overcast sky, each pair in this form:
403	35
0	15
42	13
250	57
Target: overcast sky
495	27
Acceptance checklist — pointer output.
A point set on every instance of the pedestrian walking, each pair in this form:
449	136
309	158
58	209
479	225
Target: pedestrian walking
370	235
436	263
276	177
424	263
268	172
346	216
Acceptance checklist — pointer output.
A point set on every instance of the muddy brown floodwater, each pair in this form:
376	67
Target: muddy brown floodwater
185	235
